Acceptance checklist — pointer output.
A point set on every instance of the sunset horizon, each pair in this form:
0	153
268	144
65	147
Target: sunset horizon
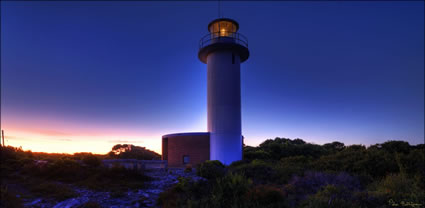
104	145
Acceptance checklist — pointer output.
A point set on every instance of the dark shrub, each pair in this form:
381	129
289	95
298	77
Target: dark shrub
211	169
56	191
257	154
356	159
378	164
366	199
334	146
186	193
356	147
67	170
129	151
259	171
412	164
116	179
299	188
330	196
238	163
396	146
282	147
266	196
34	169
12	159
398	188
8	199
230	191
291	166
91	160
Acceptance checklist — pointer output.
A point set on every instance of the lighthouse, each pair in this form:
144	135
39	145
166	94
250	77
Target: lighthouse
223	50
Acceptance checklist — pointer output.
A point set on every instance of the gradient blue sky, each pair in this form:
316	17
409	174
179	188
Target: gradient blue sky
94	74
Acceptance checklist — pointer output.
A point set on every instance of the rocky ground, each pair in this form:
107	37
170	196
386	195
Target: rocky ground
162	179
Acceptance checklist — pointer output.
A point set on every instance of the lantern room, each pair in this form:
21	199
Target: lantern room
223	35
223	27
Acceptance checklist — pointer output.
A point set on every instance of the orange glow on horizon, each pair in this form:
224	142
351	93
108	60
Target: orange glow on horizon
52	135
54	142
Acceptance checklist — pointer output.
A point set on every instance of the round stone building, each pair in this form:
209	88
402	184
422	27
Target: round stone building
223	50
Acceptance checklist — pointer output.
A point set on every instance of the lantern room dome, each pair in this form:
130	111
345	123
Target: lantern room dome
220	24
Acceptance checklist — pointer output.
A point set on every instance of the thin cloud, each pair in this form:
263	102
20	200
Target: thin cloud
123	141
50	132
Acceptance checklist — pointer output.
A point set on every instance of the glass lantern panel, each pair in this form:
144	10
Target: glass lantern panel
222	29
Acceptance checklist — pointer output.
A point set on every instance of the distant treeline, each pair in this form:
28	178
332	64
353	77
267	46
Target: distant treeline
129	151
375	161
118	151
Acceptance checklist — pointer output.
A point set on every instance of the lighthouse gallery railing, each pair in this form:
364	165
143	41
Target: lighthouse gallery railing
233	36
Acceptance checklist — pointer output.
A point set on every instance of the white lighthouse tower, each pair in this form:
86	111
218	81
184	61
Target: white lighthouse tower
223	50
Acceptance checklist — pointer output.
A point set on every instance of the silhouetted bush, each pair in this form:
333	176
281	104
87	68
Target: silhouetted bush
257	155
117	179
8	199
66	170
330	196
334	147
211	169
238	163
186	193
129	151
398	188
396	146
230	191
56	191
266	196
259	171
412	164
282	147
299	188
88	159
357	160
291	166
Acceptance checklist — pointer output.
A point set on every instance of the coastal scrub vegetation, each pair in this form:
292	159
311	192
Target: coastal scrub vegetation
282	172
55	176
279	172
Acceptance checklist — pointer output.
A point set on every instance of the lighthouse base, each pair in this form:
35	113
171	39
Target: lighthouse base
226	148
193	148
